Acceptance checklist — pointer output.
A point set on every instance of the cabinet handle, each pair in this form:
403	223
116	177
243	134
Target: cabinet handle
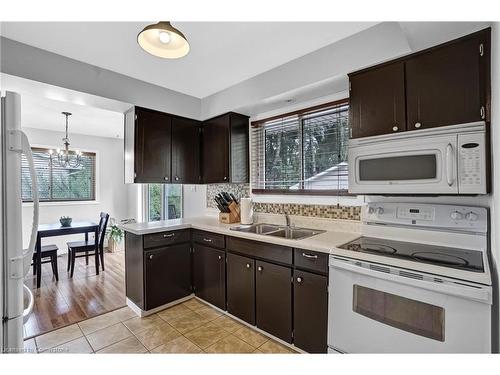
169	235
207	239
248	265
176	178
395	128
151	256
165	178
260	269
309	256
225	178
418	125
220	257
482	112
299	280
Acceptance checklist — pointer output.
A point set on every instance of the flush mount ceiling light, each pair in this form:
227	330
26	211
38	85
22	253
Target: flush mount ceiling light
163	40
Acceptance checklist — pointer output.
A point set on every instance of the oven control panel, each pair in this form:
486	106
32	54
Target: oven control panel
468	218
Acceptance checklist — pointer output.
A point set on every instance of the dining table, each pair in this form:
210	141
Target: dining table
56	229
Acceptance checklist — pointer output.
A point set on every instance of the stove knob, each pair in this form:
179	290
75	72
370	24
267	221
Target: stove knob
380	211
471	216
455	215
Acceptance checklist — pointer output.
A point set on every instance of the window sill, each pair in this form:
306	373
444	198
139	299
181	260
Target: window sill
64	203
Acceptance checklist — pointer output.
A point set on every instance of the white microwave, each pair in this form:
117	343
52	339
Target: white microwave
446	160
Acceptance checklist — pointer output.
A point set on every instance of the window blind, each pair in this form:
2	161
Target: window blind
56	183
302	152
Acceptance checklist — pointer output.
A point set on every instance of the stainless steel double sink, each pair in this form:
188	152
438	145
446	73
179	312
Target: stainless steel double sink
292	233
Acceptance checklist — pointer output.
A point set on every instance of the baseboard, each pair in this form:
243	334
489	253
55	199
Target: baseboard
142	313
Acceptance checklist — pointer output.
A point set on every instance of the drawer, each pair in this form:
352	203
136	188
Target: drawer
209	239
262	250
311	260
166	238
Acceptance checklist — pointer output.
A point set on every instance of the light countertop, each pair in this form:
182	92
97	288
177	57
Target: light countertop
326	242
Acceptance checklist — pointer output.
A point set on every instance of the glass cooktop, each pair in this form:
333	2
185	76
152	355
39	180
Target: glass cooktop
470	260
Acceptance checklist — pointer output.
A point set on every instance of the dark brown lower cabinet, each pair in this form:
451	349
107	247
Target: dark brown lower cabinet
167	274
209	268
273	299
241	287
310	312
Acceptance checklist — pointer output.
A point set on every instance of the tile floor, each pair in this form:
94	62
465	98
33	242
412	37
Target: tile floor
189	327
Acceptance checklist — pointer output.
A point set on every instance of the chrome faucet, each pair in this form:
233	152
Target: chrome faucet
287	219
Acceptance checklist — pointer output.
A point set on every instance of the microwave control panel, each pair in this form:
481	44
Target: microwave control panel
471	163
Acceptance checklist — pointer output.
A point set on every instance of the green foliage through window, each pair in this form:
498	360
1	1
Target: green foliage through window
56	183
306	151
164	202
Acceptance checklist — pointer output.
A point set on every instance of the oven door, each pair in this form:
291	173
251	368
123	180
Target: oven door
379	309
419	165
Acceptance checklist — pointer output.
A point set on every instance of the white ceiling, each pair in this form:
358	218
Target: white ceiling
222	53
42	113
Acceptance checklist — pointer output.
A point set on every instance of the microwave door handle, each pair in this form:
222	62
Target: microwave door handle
449	164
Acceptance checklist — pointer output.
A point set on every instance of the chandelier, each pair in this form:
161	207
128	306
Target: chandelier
66	158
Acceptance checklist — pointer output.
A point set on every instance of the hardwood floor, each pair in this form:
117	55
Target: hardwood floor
58	304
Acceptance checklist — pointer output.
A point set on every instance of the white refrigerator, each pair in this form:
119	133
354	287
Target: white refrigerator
16	300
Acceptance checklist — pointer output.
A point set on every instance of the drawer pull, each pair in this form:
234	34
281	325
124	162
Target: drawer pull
207	239
299	280
169	235
309	256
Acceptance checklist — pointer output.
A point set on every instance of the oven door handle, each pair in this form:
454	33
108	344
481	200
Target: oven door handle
478	293
449	164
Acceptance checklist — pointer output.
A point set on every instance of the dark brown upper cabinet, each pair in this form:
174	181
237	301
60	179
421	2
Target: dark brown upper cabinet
377	101
444	85
186	151
152	148
225	149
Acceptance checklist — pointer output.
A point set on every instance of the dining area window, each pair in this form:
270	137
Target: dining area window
58	183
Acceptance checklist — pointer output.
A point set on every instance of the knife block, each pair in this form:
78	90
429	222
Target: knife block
230	217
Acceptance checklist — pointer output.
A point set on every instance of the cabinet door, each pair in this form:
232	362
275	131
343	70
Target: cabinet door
215	146
239	152
377	101
209	267
167	274
310	311
241	287
445	86
185	151
273	299
152	146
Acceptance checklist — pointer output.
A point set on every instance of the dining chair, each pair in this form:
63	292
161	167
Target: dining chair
49	253
89	246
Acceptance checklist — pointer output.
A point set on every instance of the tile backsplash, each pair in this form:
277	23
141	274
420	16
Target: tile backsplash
239	190
310	210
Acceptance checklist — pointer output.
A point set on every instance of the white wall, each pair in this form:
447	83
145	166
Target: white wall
111	192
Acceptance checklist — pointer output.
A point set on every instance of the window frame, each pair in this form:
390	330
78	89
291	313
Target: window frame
164	207
300	113
65	201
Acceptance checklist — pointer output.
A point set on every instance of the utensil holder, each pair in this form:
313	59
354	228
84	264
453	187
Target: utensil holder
230	217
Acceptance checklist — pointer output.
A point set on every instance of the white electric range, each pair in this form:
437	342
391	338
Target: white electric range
418	281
